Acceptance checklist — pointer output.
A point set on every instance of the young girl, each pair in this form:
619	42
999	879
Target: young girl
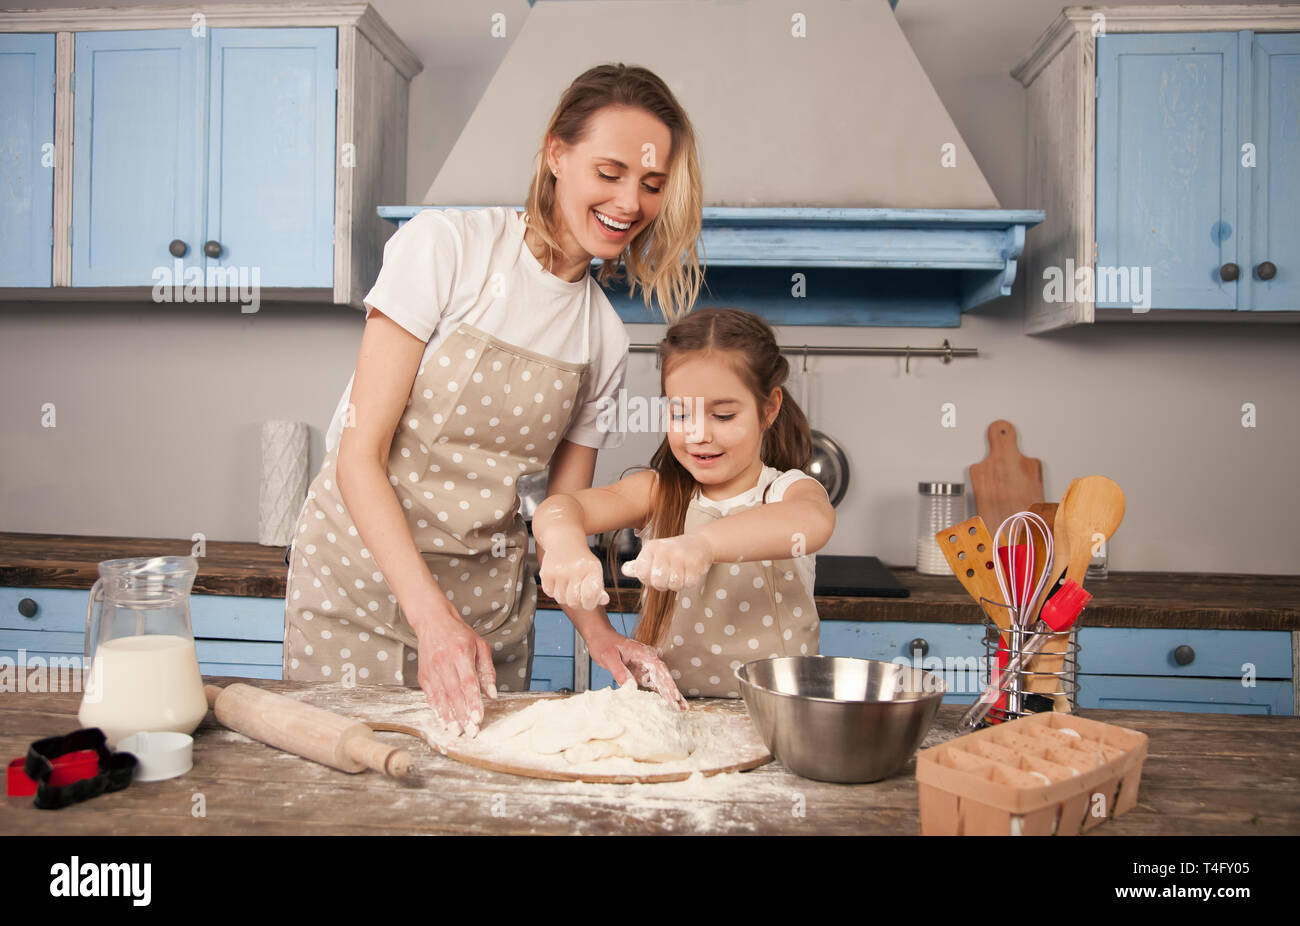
729	520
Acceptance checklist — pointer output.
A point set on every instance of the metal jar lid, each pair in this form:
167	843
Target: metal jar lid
941	488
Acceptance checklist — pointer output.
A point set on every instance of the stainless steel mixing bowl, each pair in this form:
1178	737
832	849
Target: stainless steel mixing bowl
834	718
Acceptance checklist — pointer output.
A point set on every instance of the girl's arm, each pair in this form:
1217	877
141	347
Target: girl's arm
562	522
572	575
801	523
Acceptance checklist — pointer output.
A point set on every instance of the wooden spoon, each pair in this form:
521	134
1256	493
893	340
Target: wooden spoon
1091	511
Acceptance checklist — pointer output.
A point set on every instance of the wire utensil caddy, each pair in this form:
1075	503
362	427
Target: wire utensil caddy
1063	682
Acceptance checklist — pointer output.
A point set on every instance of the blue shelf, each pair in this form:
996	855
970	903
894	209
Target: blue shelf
899	267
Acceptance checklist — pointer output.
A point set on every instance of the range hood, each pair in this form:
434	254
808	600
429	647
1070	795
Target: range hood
823	145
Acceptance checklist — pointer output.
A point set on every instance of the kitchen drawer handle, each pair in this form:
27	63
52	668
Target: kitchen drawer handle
27	607
212	249
1266	271
921	644
1184	655
178	248
1229	272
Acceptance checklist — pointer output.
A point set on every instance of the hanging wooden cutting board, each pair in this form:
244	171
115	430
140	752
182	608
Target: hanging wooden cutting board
1005	482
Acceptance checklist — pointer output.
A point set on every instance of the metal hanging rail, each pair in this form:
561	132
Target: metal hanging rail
946	351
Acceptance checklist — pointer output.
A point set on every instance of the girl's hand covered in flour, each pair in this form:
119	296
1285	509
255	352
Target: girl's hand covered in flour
627	659
672	563
573	577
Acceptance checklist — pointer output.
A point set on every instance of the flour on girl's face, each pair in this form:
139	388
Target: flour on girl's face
604	723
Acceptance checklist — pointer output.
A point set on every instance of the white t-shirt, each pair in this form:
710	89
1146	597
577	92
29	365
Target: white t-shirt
447	267
779	481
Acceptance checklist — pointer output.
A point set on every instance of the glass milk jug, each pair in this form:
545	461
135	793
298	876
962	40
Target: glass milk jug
144	671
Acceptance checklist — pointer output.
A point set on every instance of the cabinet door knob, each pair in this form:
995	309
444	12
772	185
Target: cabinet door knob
1184	655
1266	271
1229	272
212	249
27	607
178	248
921	644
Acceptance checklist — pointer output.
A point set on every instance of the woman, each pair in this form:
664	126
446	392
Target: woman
486	354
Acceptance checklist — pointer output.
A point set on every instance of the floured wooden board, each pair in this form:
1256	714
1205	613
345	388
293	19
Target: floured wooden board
725	740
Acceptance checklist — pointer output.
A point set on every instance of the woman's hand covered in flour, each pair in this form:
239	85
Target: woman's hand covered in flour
627	659
672	563
454	664
573	577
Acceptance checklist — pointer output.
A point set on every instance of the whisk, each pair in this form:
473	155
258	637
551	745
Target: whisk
1024	592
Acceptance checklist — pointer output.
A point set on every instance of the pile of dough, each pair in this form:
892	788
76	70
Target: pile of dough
604	723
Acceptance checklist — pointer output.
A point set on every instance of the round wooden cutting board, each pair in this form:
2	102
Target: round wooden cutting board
726	742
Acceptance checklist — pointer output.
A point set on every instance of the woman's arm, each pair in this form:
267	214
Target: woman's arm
454	662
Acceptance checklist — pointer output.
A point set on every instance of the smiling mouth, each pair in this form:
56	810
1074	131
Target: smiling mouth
610	223
704	457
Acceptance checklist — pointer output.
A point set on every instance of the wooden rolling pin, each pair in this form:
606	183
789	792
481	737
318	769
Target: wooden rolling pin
339	742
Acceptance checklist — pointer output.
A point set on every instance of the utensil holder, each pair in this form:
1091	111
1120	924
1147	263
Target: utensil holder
1064	682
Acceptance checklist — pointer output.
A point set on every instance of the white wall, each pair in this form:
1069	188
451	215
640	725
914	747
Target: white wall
159	407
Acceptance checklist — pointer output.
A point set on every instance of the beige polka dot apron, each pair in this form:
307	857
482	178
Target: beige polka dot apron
481	414
739	612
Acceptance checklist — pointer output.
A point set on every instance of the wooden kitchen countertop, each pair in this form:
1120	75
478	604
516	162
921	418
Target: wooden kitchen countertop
1205	774
1131	599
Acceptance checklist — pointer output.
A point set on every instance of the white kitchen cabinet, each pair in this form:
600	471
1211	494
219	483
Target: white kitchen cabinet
1160	144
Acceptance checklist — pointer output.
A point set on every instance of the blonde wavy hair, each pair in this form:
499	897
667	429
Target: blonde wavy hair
662	258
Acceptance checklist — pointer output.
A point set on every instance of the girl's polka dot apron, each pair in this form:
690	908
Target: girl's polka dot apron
481	414
740	612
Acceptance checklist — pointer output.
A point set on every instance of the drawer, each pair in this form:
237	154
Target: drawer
237	617
551	673
1196	695
43	641
59	609
553	635
890	640
1218	653
225	617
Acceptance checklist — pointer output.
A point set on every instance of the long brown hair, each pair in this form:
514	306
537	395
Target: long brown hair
663	256
748	344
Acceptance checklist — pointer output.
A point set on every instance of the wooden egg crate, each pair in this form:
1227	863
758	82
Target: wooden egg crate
1041	775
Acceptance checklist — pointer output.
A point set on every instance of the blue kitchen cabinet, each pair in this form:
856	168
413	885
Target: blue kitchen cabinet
1197	157
270	160
137	177
233	634
1167	177
204	158
1215	671
1276	178
26	159
552	651
954	649
1199	695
